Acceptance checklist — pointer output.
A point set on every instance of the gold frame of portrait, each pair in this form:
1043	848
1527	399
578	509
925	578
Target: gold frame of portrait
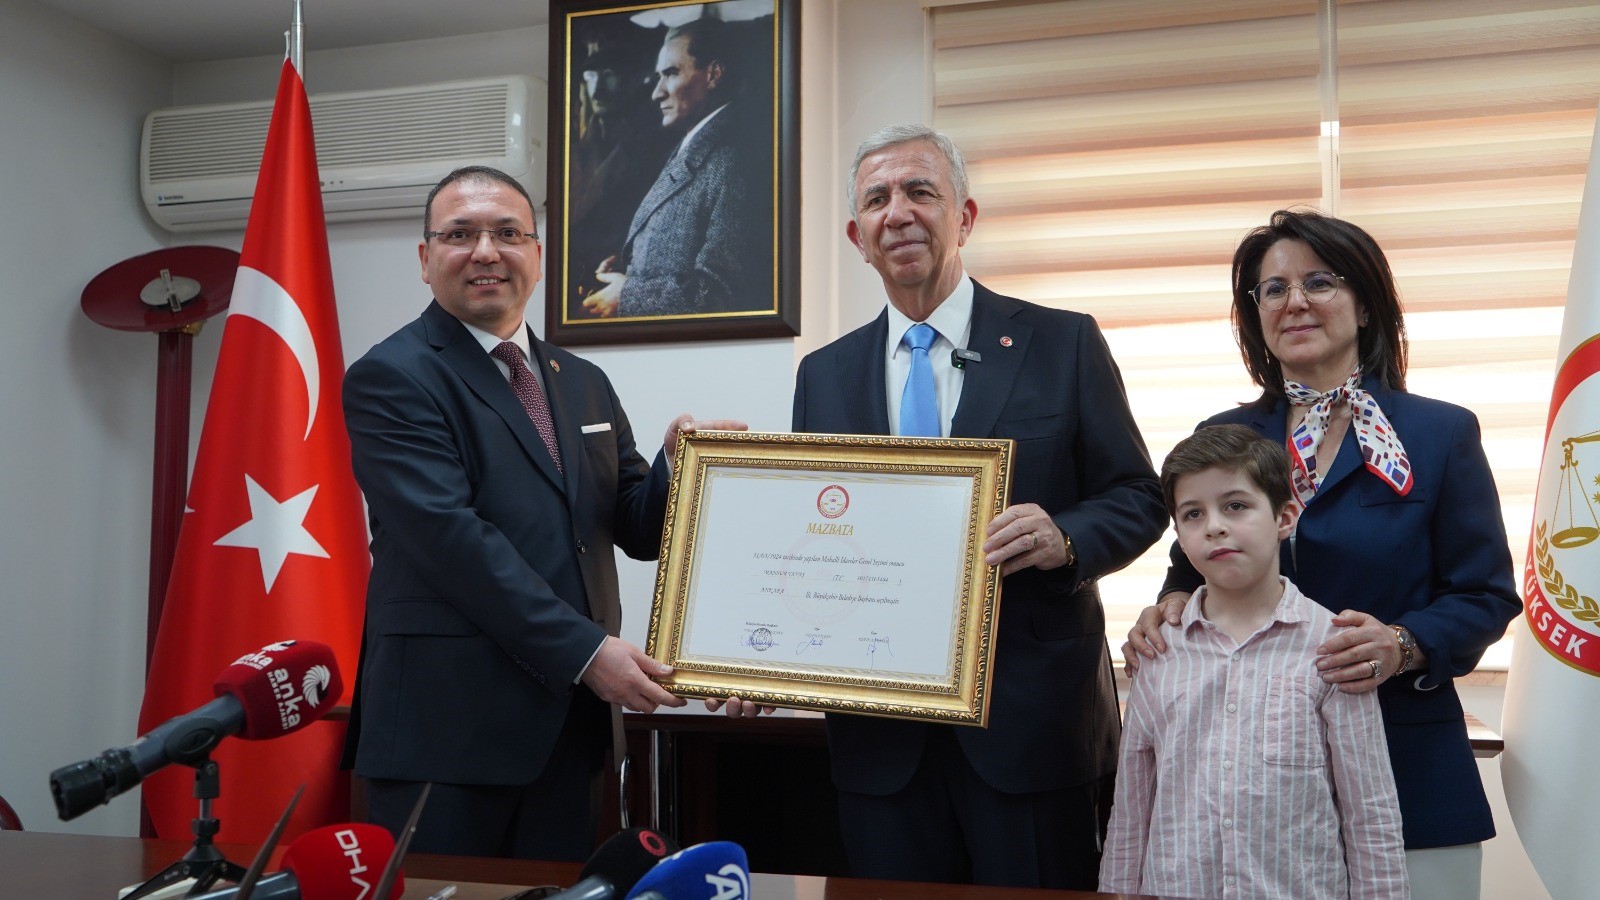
961	696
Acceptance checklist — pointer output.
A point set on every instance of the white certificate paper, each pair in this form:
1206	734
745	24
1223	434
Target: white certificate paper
814	573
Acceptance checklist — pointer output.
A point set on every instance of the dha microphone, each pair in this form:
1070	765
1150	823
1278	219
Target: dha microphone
334	862
276	690
718	870
959	357
618	864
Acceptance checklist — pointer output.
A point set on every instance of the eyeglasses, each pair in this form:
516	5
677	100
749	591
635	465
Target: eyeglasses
503	236
1273	294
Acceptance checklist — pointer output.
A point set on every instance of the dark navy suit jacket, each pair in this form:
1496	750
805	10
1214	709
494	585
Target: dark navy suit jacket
1435	561
1057	393
483	556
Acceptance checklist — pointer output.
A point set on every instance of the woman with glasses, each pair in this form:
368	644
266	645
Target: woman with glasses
1401	526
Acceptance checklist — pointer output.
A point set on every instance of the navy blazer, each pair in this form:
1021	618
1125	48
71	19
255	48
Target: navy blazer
1056	391
1435	561
483	555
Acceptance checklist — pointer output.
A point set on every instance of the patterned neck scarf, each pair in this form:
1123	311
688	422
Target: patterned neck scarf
1380	446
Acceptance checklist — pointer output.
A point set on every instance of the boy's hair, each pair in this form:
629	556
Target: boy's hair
1232	447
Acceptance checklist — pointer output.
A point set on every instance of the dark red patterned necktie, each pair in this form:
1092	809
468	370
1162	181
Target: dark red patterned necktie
532	396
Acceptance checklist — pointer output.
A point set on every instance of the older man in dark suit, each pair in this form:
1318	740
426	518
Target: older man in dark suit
499	472
701	240
1024	801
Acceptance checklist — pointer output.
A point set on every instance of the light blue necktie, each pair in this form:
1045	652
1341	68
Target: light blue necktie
919	404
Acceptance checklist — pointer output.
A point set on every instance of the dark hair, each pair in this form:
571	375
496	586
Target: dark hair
710	40
481	174
1356	258
1233	447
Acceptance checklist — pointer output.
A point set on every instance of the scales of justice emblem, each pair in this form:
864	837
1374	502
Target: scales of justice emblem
1564	618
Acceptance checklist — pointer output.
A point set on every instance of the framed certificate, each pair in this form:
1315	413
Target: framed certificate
841	573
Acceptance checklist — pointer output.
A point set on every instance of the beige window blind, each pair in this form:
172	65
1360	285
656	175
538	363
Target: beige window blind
1119	149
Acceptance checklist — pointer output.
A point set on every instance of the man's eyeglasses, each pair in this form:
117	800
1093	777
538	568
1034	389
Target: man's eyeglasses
1273	294
504	236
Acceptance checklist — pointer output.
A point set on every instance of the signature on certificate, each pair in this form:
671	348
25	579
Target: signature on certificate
874	642
760	640
811	640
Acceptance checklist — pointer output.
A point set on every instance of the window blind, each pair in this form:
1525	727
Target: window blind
1118	150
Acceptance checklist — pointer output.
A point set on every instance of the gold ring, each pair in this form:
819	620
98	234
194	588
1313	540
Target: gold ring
1376	668
1029	536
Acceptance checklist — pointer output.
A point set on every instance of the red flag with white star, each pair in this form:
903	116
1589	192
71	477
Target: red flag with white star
273	542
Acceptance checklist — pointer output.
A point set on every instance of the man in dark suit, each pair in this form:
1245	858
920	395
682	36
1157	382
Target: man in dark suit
499	473
1024	801
701	240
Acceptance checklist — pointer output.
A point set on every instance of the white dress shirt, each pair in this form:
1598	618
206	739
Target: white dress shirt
952	319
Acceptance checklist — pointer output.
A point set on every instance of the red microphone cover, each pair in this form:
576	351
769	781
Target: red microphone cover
342	862
283	687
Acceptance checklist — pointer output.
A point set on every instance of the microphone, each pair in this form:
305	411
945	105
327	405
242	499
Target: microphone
334	862
959	357
718	870
618	864
278	689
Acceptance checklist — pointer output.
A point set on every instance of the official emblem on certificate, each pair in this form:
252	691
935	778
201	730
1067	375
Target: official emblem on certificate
841	573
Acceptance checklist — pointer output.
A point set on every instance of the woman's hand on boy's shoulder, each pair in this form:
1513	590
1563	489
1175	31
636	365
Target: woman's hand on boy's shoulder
1363	655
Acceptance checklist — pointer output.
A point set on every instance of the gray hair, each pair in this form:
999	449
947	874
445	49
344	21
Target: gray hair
894	135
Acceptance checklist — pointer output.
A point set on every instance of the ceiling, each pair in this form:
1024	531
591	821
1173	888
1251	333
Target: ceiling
199	30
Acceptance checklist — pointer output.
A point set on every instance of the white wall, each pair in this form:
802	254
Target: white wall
78	404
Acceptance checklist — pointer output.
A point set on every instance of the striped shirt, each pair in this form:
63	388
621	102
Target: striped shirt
1243	774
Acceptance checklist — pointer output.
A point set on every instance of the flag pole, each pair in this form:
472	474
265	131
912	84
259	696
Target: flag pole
296	37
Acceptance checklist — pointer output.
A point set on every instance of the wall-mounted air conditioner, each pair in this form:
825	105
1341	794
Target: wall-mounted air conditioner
378	152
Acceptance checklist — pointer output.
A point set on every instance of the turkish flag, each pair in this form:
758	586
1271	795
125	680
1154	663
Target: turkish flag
273	544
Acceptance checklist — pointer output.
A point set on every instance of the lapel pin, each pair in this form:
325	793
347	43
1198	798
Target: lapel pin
1005	340
555	365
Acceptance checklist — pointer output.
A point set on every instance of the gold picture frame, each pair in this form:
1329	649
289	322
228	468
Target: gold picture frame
841	573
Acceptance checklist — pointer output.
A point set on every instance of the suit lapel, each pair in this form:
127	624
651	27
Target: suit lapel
866	366
677	174
673	178
462	352
1274	424
986	385
564	409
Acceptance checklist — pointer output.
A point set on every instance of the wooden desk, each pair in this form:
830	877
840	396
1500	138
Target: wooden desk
1485	743
43	866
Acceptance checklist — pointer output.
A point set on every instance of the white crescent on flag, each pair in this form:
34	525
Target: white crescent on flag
257	296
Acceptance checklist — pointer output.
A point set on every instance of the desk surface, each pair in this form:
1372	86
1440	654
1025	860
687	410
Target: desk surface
40	865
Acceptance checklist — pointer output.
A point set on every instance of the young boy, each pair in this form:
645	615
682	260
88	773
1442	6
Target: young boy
1243	774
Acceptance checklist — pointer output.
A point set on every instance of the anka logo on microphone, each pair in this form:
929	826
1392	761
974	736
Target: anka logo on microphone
350	843
312	685
731	882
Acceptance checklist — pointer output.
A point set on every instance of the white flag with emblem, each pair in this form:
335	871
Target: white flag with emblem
1552	711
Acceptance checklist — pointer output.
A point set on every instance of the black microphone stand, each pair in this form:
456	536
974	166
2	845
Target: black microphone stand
204	862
